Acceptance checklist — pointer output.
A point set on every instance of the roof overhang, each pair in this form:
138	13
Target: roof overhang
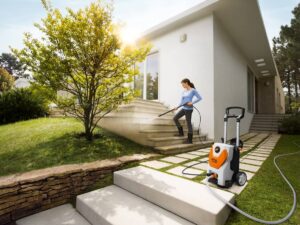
243	22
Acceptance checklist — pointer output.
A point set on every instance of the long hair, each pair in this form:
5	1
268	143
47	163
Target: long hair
187	81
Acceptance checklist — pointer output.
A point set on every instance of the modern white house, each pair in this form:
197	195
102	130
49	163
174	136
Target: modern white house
221	46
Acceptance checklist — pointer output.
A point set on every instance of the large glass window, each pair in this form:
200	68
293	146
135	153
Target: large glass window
147	82
251	92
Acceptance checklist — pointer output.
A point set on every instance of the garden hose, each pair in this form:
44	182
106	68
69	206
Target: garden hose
257	219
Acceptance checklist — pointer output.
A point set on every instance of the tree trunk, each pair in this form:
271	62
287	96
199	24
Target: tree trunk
87	126
289	92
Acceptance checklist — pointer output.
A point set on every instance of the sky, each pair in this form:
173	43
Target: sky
136	16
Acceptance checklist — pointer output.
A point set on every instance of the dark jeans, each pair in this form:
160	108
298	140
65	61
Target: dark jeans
188	117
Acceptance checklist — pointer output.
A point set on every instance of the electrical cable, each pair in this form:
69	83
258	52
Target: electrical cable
257	219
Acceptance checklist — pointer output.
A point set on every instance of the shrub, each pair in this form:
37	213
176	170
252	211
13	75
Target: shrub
21	104
6	80
290	125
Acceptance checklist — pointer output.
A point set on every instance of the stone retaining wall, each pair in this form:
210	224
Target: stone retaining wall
28	193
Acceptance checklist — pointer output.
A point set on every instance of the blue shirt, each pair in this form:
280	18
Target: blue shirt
187	96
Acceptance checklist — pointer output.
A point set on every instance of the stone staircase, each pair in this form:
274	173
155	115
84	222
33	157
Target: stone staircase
141	196
139	122
266	122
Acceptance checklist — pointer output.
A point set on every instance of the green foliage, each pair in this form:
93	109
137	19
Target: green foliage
6	80
80	53
286	51
290	125
47	142
13	65
21	104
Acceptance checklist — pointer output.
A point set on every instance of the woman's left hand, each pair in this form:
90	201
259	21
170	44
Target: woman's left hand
190	104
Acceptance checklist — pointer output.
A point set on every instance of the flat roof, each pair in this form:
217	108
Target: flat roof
243	22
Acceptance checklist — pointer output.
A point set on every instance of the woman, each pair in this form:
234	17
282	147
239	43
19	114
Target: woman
187	101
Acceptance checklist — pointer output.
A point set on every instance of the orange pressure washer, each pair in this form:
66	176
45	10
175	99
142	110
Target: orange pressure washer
224	159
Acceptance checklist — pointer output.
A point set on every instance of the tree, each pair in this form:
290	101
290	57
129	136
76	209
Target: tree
81	54
286	50
12	65
6	80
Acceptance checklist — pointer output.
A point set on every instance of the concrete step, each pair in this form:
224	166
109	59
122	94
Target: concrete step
181	148
140	114
166	141
264	128
115	206
61	215
146	120
187	199
144	106
164	133
148	102
155	126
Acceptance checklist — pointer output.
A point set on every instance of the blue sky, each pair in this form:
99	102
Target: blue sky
18	16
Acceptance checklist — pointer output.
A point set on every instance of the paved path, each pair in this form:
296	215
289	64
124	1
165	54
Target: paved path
257	149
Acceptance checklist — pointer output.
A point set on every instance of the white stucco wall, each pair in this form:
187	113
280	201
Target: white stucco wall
230	81
191	59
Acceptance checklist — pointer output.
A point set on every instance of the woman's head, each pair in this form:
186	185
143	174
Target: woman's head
186	83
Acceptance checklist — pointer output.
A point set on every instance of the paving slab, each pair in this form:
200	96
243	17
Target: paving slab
249	168
198	153
156	164
254	157
234	188
252	162
202	166
258	154
261	153
173	159
115	206
61	215
190	200
178	171
187	156
249	175
204	150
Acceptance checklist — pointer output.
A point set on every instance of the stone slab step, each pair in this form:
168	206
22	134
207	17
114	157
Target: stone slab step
167	132
185	198
181	148
115	206
164	141
61	215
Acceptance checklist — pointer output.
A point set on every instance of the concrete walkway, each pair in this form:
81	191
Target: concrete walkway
257	148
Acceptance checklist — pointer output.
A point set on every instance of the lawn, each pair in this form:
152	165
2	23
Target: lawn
47	142
267	196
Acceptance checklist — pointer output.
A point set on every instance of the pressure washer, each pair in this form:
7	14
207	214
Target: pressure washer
224	159
223	167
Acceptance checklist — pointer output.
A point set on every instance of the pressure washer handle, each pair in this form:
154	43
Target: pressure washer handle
238	117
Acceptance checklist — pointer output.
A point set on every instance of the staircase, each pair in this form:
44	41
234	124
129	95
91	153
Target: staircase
266	122
139	122
141	196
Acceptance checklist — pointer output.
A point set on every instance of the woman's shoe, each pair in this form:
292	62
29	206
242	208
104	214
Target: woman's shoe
180	132
189	140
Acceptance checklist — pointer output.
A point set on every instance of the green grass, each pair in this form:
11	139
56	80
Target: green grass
47	142
267	196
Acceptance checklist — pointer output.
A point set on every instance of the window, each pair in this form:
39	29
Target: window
251	91
147	82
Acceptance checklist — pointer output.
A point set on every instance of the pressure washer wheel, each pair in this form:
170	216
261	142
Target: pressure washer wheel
241	178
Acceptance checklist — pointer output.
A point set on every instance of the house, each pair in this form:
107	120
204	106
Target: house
22	83
221	46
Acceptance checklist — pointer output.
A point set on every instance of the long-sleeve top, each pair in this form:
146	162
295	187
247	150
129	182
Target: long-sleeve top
187	96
